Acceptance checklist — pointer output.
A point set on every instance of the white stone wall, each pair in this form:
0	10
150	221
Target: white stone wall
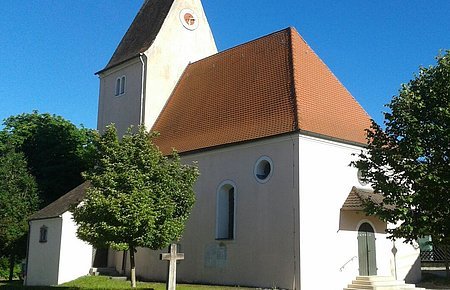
123	110
406	265
43	258
328	236
173	49
62	258
264	251
75	254
290	230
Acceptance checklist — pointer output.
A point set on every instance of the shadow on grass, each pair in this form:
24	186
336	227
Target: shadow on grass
17	285
434	280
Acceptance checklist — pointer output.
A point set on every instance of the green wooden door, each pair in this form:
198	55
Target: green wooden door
367	251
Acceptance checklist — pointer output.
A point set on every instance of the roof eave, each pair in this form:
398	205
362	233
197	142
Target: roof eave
118	64
45	218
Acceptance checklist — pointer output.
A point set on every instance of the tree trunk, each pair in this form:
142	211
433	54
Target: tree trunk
12	261
132	268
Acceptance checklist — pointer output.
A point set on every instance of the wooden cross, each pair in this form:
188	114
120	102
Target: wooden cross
172	256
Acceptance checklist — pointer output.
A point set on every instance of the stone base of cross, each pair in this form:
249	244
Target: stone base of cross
172	256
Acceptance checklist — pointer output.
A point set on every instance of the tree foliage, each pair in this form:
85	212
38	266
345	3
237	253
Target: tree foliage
55	149
18	200
408	161
138	197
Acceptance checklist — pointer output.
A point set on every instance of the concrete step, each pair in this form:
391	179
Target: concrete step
379	283
103	272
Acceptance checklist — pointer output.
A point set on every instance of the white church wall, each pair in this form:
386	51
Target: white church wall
43	257
125	109
75	254
406	264
328	237
173	49
264	251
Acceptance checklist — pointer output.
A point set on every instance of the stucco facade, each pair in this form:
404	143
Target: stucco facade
43	258
289	230
62	257
152	76
328	235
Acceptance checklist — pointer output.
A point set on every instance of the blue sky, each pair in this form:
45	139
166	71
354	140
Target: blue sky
50	49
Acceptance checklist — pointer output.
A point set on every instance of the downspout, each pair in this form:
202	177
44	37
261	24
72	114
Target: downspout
27	254
143	88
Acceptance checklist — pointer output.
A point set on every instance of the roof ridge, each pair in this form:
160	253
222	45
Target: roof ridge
239	46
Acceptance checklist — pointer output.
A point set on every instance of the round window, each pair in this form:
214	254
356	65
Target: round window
360	178
189	19
263	169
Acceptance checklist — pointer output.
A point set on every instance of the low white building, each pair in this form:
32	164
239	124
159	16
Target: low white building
55	254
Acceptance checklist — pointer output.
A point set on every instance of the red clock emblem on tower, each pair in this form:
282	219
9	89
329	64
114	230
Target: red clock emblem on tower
189	19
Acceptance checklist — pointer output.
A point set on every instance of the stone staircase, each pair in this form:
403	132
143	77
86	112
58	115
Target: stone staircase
379	283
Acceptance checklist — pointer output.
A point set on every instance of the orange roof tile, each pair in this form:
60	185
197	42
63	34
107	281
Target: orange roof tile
267	87
358	197
324	105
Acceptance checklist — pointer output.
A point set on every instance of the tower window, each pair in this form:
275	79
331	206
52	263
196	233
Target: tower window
225	218
120	86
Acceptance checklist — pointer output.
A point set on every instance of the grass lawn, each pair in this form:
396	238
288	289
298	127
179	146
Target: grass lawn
100	282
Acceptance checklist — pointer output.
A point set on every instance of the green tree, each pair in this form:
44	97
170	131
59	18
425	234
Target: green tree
18	200
55	149
408	161
138	197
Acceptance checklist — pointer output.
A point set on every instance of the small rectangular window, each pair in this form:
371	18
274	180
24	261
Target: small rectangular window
117	87
122	85
43	234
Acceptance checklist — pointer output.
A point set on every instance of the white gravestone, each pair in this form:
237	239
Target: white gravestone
172	256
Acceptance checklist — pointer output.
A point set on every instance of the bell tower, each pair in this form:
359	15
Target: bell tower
165	36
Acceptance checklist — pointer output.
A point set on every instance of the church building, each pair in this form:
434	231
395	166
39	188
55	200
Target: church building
273	132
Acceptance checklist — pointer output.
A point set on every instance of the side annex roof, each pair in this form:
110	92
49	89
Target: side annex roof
267	87
62	204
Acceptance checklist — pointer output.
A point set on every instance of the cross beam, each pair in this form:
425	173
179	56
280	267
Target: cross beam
172	256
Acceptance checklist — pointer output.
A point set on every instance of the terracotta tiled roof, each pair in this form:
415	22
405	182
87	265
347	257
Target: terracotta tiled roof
267	87
142	32
357	198
62	204
324	106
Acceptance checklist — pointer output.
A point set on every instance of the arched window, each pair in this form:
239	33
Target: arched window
225	218
120	86
43	234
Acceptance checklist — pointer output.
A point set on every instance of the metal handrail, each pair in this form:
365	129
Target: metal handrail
346	263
